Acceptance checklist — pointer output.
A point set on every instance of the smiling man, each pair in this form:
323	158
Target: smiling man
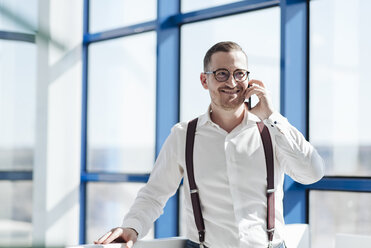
238	200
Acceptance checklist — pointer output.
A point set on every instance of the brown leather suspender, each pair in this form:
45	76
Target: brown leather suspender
269	159
191	130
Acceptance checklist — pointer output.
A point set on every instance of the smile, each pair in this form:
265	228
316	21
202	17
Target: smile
231	92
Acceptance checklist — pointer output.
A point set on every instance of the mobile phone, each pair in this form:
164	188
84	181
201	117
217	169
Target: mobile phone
249	101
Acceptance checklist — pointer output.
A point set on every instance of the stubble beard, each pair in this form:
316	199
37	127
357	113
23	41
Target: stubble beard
227	103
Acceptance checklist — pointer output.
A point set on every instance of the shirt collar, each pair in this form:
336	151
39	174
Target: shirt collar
205	118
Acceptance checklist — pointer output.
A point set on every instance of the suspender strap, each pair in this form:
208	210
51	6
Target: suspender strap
195	199
191	130
268	152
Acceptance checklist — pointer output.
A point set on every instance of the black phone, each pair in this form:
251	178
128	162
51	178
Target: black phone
249	101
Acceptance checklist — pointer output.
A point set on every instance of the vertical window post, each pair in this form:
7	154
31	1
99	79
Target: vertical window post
167	99
294	92
82	231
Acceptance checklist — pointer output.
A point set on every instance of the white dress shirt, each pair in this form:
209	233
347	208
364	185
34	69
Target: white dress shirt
230	173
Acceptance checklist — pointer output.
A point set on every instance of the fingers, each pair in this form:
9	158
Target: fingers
109	236
114	235
103	238
129	244
258	82
255	88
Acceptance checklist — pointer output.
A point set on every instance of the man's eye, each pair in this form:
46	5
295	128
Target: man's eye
221	73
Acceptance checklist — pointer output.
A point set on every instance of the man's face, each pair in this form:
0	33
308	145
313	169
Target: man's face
228	95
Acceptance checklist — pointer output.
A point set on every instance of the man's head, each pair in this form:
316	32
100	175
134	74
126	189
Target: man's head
225	75
224	46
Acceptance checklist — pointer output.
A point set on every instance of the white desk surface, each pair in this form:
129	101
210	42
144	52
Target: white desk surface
175	242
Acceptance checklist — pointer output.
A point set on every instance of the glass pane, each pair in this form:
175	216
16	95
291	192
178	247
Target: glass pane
110	14
121	108
17	105
340	58
107	204
260	40
333	212
191	5
15	214
18	15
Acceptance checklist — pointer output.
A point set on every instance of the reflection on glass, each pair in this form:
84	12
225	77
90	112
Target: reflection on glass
15	213
18	16
121	107
110	14
340	58
258	33
332	212
17	105
192	5
107	204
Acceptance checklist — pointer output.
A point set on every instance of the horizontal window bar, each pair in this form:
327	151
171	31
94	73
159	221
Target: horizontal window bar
113	177
223	10
343	184
5	35
15	175
120	32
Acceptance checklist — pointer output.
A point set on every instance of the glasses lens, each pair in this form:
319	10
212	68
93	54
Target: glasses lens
240	75
222	75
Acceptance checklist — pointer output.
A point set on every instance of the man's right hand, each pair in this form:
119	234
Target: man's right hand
119	235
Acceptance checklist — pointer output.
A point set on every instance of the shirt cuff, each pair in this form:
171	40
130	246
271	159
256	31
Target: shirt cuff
276	123
133	224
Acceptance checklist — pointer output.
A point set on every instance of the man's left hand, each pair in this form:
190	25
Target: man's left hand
264	108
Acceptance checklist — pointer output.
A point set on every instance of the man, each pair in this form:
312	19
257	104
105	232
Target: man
229	163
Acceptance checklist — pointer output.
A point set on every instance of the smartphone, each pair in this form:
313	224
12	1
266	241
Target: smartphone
249	101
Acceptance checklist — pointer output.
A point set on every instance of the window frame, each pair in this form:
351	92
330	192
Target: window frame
17	175
294	82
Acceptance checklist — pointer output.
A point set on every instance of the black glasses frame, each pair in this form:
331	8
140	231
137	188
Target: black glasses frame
229	74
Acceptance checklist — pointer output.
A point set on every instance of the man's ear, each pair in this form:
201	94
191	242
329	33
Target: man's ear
203	80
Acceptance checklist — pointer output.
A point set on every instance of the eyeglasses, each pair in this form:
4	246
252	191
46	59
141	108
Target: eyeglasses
222	75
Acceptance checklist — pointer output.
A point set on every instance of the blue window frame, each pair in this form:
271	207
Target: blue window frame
21	176
16	175
294	95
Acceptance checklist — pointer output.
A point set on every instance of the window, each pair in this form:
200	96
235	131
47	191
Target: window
122	105
17	143
18	16
334	212
339	57
263	51
339	84
15	215
110	14
17	105
192	5
107	205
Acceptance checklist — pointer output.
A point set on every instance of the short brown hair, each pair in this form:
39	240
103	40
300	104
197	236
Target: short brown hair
224	46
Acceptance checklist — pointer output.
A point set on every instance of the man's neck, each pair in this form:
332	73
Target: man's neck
227	119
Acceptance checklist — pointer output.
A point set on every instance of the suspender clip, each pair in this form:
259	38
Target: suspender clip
194	191
270	245
271	190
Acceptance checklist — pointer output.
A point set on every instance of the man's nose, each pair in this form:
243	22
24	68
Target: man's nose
231	82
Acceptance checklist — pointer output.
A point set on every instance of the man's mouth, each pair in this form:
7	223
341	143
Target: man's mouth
231	92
